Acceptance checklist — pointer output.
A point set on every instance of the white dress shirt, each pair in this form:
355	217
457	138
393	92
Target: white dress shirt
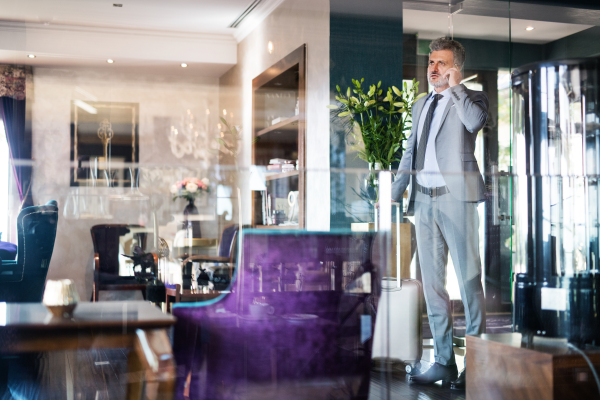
430	176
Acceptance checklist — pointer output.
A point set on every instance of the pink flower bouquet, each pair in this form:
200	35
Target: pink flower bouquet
189	188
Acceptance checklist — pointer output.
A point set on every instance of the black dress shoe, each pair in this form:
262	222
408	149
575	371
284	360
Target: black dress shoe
461	382
437	372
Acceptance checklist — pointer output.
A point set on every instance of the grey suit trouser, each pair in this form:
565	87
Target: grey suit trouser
443	223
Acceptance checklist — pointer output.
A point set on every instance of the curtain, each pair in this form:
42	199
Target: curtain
12	112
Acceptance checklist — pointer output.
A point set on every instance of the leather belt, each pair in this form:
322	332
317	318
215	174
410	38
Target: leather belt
432	192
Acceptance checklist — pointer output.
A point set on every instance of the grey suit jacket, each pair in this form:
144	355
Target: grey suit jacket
465	114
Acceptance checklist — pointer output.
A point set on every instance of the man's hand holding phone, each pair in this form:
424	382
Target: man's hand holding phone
453	76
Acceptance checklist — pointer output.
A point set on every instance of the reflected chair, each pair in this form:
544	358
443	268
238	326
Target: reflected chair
221	270
106	239
314	343
22	280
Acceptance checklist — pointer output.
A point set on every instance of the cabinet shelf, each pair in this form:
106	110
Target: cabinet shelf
279	175
275	92
292	122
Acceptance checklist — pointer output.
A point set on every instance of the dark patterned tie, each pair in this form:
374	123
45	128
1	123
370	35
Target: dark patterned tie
425	134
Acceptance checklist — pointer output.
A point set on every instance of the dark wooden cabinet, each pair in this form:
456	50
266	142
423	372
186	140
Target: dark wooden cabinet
279	129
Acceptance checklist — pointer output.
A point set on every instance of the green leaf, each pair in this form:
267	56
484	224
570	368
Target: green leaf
345	113
348	92
332	107
338	88
370	103
399	104
396	90
224	122
378	84
419	96
379	92
402	110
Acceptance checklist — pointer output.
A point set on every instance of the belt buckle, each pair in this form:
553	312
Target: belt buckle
432	192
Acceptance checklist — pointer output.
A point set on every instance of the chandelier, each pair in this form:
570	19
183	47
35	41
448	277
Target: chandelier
188	138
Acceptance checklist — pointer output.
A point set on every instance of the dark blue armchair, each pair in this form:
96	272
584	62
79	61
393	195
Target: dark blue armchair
23	280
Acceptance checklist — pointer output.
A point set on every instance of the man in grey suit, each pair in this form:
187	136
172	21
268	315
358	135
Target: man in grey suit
445	187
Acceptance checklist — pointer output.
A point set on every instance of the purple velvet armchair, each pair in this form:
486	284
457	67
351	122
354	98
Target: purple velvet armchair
296	322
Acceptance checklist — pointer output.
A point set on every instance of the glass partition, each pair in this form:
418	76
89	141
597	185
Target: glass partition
256	171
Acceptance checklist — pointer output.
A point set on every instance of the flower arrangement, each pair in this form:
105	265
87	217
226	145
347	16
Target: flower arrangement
189	188
379	121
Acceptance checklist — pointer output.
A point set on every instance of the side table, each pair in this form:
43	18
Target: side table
502	367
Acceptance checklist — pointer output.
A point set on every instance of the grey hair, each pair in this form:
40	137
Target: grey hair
457	49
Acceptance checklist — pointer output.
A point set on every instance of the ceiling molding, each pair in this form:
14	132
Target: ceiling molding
80	46
258	15
18	27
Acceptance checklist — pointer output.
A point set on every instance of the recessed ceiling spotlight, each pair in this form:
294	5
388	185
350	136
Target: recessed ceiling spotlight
183	65
31	55
270	47
117	5
110	61
529	28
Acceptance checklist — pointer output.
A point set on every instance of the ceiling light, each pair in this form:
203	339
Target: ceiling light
529	28
117	5
183	65
31	55
270	47
110	61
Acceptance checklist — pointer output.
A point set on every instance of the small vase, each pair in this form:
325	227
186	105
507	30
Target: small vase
192	227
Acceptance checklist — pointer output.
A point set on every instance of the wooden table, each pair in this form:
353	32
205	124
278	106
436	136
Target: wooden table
138	325
502	367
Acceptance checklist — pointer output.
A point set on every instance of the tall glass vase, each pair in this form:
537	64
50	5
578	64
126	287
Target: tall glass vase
372	182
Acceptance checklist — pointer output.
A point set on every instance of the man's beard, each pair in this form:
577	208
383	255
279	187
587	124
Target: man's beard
441	82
